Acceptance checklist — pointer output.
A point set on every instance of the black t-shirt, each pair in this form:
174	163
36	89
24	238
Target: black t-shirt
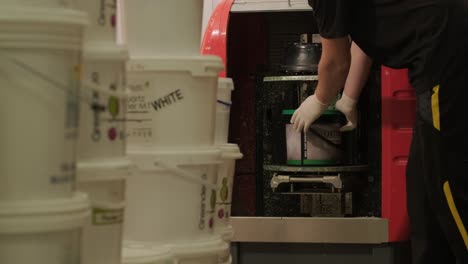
396	33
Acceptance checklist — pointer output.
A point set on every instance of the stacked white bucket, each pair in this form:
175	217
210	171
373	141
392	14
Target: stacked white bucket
230	153
102	165
41	216
171	111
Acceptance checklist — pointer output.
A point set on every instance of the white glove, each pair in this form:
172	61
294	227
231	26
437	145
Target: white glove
309	111
347	106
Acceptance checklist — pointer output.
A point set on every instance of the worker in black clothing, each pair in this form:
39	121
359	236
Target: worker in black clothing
429	37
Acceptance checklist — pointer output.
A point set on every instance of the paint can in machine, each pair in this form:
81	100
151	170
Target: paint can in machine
321	145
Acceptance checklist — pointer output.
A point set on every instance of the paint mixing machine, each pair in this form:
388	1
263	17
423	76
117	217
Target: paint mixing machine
319	166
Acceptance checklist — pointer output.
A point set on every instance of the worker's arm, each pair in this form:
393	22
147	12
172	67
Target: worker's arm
357	78
333	70
358	72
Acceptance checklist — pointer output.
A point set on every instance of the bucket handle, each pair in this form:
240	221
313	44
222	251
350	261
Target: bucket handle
181	173
184	174
87	86
225	103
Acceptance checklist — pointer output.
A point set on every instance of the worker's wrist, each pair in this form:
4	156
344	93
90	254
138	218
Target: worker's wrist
319	101
348	101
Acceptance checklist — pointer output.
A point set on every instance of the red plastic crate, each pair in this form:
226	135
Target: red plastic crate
398	111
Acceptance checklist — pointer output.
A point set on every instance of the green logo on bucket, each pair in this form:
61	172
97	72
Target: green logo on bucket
113	106
224	191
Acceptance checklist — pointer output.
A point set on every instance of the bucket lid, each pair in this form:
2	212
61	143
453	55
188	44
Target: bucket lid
226	83
230	151
143	158
327	112
200	66
43	15
141	253
103	169
44	215
198	248
105	51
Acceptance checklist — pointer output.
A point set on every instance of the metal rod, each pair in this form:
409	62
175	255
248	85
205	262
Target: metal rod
335	181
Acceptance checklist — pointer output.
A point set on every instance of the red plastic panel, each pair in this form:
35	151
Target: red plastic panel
398	111
214	40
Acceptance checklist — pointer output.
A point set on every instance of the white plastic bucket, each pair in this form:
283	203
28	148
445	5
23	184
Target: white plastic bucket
163	27
144	253
223	110
39	56
172	195
172	101
102	111
210	251
103	18
226	170
102	235
40	3
42	231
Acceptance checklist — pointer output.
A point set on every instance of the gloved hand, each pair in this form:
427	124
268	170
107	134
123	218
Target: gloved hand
309	111
347	106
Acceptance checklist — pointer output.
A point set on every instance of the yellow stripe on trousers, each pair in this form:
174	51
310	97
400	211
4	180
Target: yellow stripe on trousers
435	107
455	214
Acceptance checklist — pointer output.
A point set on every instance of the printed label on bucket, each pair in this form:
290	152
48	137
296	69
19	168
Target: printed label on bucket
222	204
103	112
149	100
66	174
102	118
222	211
141	102
107	216
167	100
139	118
107	13
329	131
207	210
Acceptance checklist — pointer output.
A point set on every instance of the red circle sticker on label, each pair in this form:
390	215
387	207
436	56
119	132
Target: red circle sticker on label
112	133
221	214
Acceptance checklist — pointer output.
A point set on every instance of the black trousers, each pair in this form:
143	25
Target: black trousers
437	191
437	171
